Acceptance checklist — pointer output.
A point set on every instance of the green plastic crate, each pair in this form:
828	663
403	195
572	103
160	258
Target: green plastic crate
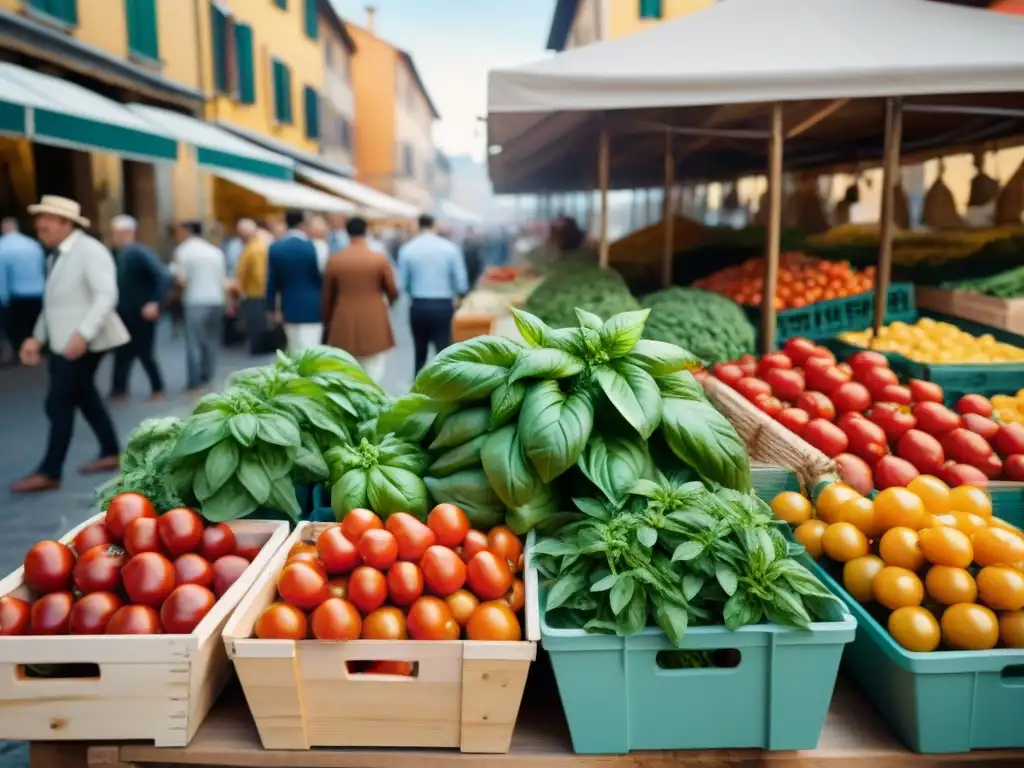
617	699
770	481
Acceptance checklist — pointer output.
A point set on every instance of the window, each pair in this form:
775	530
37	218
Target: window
282	4
346	133
143	40
281	77
329	53
245	64
650	9
62	10
218	31
408	160
312	104
312	20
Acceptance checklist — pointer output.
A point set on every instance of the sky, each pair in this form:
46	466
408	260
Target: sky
454	43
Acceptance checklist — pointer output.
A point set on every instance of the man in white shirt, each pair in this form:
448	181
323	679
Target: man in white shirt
200	268
318	234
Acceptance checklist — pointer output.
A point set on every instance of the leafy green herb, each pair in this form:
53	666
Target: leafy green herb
383	475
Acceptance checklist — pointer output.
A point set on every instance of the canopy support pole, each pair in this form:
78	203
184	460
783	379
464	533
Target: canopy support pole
603	173
668	214
890	176
822	114
774	233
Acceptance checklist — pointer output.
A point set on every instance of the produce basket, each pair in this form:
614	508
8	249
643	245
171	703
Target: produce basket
617	697
1005	314
155	688
464	694
770	481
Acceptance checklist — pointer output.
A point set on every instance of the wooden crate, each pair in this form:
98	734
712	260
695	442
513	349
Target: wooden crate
468	325
766	439
155	688
466	694
1006	314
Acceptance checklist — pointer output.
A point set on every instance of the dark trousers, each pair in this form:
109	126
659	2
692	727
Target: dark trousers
22	314
72	385
254	316
431	323
139	348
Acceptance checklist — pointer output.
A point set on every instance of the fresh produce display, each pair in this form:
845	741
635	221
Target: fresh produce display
882	432
1003	285
712	327
932	341
602	292
931	562
143	463
802	280
133	573
400	579
1009	407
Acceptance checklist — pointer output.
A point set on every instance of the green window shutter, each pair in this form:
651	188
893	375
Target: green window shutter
282	4
218	29
312	19
282	78
650	9
312	103
63	10
143	38
246	61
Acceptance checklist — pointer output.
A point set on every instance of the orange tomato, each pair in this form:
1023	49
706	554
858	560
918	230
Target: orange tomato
950	585
947	546
901	547
996	546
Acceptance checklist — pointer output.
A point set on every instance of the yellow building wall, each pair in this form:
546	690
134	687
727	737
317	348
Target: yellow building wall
375	83
624	15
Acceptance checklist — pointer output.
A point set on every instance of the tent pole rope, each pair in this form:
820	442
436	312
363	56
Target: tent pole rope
603	152
668	213
774	233
890	177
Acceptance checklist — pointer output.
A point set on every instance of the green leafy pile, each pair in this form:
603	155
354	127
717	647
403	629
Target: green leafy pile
714	328
602	292
1004	285
382	474
142	465
673	553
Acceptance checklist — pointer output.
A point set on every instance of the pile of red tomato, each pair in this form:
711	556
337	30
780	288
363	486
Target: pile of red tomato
134	573
403	579
882	433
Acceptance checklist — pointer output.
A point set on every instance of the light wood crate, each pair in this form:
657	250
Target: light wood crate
1006	314
301	693
150	687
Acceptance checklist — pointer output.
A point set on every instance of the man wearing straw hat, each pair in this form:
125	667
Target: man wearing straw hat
78	324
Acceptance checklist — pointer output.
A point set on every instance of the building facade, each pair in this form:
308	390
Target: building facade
338	105
580	22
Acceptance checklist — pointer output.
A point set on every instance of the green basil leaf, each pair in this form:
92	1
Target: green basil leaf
647	536
727	578
554	548
410	416
319	417
542	511
243	428
309	462
534	331
506	401
506	467
788	602
470	490
574	341
646	488
681	385
393	490
231	502
688	550
279	430
282	498
672	619
621	594
277	461
461	457
740	611
692	585
704	439
221	463
620	333
613	464
254	478
402	454
634	618
588	320
350	493
344	402
201	485
563	590
554	428
608	582
544	364
200	433
660	358
593	508
469	370
634	394
461	427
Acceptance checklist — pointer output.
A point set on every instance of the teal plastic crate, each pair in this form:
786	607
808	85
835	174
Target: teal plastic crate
617	699
770	481
322	511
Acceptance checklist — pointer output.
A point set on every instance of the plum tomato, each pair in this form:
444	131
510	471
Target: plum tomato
770	405
798	349
148	579
494	621
134	620
357	522
935	418
51	614
489	576
15	614
922	450
817	404
180	530
405	583
867	439
894	472
367	588
752	388
966	447
786	384
925	391
400	668
893	418
386	623
794	419
226	571
826	437
876	379
336	552
191	568
728	373
378	549
895	393
302	585
93	535
430	618
141	535
826	379
310	559
506	545
992	467
449	523
185	607
981	425
747	364
851	396
92	613
338	587
1013	468
48	566
976	404
462	603
476	541
281	621
516	597
855	472
99	570
124	508
771	361
443	571
336	619
955	475
1010	438
413	535
218	540
867	359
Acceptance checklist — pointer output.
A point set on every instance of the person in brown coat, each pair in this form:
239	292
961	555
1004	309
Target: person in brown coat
357	280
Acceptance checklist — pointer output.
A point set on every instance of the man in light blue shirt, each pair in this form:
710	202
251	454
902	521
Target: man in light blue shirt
432	273
22	281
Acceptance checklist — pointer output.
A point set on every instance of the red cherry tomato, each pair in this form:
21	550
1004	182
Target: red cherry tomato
494	621
926	391
249	549
226	571
867	439
752	388
1010	438
367	589
826	380
180	530
449	523
338	554
48	567
124	508
412	535
728	373
51	614
895	393
185	607
506	545
405	583
218	540
92	613
489	576
190	568
310	559
336	619
976	404
1013	468
399	668
771	361
134	620
15	615
378	549
894	419
357	522
476	541
892	471
93	535
302	585
855	472
876	379
799	349
826	437
953	475
141	536
770	405
786	384
851	396
148	579
516	597
981	425
430	618
443	571
817	405
794	419
867	359
99	570
922	450
280	621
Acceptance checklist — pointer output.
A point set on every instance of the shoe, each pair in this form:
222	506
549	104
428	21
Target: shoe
35	483
106	464
156	397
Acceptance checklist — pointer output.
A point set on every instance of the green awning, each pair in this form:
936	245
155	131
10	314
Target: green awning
52	111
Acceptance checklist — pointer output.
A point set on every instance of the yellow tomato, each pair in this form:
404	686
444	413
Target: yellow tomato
932	491
996	546
950	585
998	522
844	542
831	499
901	547
1011	629
968	522
1001	588
858	575
793	507
947	546
947	520
809	534
970	498
896	587
898	507
859	512
915	628
970	627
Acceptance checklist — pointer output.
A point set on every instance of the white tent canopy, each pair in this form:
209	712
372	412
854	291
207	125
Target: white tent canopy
287	194
750	53
370	201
